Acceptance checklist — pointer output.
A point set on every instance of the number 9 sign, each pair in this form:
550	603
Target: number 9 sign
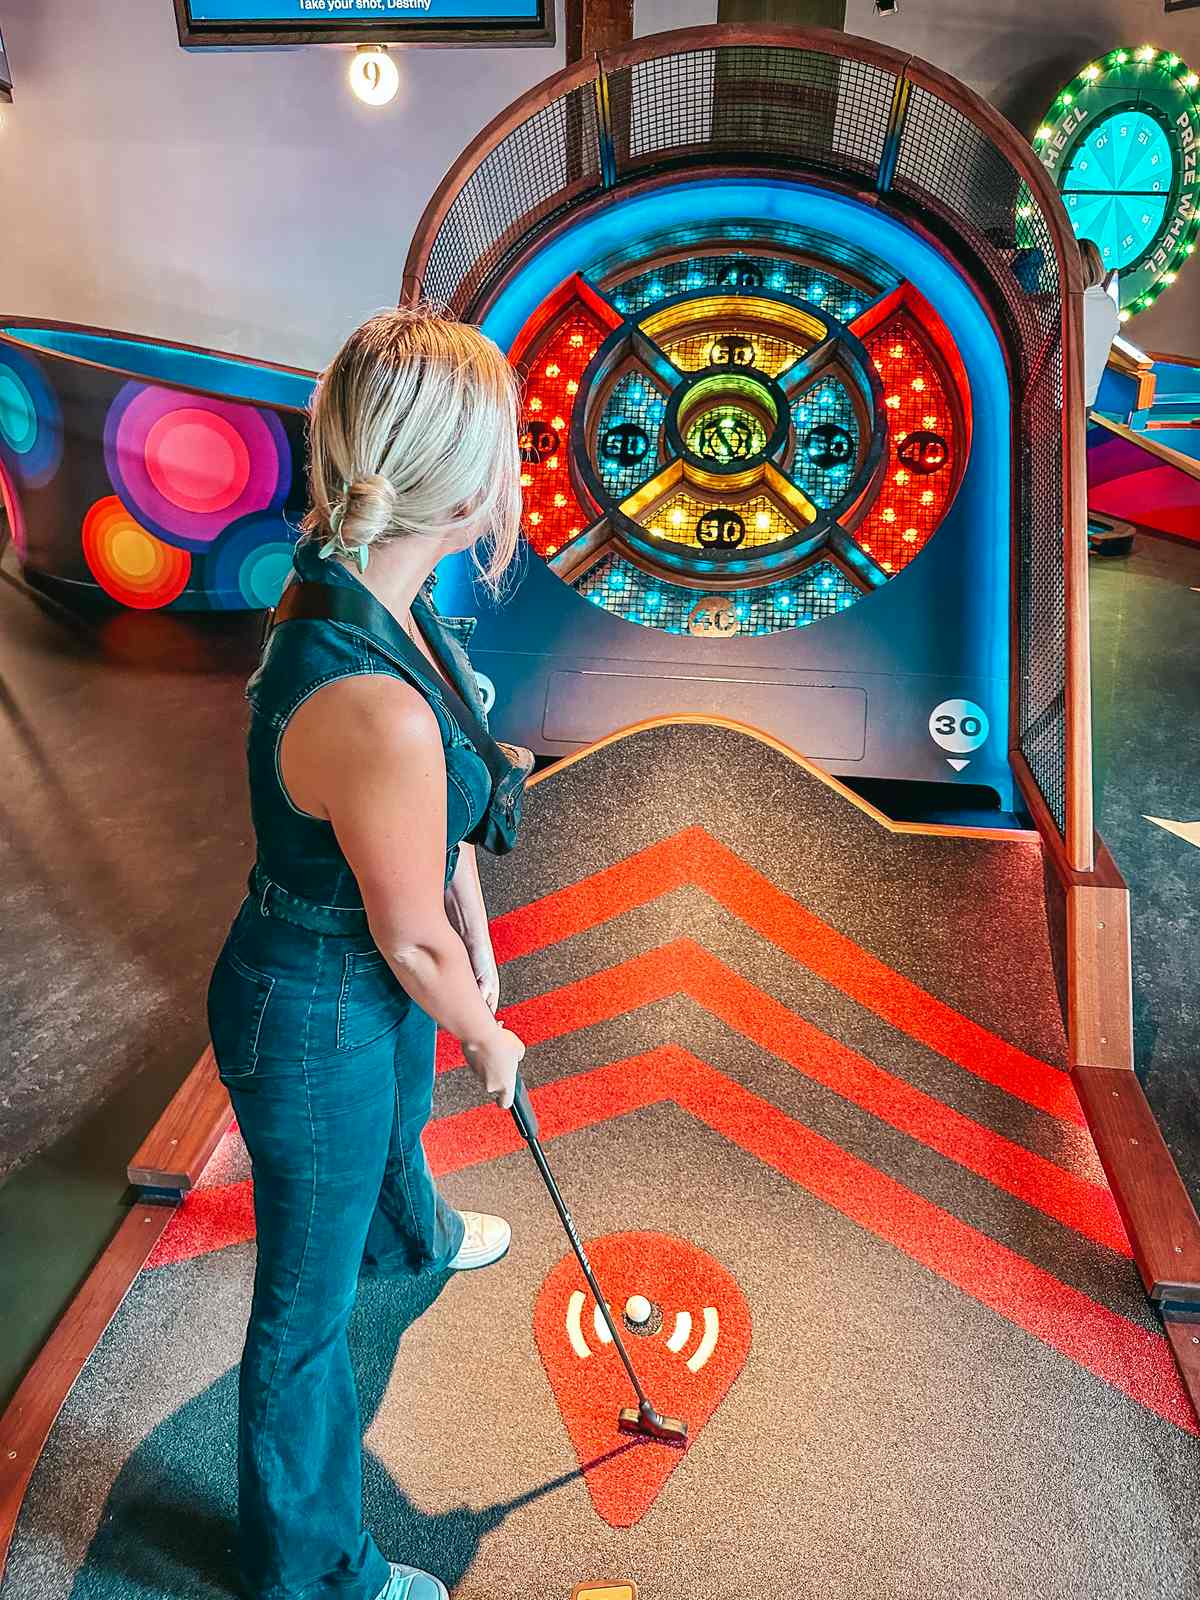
373	75
959	726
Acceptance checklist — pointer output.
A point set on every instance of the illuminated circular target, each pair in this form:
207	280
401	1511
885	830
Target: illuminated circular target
1120	142
188	466
128	561
737	443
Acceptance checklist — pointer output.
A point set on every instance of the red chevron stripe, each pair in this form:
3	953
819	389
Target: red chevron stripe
1128	1357
1081	1203
1079	1198
693	856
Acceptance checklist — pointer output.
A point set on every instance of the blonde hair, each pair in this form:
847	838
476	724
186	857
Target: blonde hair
1094	270
413	432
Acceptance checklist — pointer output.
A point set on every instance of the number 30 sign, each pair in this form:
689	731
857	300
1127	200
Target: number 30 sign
959	726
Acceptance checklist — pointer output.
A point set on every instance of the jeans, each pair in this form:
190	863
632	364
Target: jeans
329	1065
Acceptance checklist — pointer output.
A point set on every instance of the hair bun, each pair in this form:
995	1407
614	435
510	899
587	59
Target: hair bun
370	509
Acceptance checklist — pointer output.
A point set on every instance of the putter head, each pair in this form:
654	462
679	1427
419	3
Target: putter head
650	1424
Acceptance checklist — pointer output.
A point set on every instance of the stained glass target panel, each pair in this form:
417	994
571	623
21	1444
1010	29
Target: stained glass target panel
737	442
1120	141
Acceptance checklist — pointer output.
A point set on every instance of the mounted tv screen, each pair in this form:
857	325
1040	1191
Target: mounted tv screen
228	23
5	74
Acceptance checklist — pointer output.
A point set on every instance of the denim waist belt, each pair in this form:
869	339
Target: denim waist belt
274	901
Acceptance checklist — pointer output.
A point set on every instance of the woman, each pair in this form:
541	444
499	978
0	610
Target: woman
364	928
1101	318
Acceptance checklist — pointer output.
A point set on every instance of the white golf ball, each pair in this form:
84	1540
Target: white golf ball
638	1308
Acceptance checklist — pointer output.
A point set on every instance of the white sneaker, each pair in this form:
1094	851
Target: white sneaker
485	1241
410	1583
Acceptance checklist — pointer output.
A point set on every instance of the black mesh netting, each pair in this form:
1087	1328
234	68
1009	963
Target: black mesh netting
536	171
755	101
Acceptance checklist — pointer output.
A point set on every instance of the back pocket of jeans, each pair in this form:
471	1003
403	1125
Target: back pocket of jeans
372	1001
237	1000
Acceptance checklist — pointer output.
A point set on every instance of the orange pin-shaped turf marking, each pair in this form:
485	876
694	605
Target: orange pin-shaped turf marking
688	1338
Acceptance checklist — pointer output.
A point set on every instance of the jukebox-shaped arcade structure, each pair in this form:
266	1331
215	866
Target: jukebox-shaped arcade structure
792	313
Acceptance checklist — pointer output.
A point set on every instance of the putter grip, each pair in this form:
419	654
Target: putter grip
523	1113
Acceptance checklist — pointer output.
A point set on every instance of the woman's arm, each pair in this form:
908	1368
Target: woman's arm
468	916
365	753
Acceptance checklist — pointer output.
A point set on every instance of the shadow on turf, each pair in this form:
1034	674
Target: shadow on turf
168	1527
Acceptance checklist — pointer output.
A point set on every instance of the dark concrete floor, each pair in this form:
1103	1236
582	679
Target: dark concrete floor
117	892
124	844
1146	714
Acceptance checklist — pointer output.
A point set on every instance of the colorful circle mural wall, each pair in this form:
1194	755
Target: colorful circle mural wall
159	495
737	442
1121	142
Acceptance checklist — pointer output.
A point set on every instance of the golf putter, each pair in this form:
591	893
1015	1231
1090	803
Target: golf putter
644	1420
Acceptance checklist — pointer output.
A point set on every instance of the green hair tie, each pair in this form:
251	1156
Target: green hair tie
336	517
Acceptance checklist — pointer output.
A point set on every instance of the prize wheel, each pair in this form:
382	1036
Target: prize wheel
1120	142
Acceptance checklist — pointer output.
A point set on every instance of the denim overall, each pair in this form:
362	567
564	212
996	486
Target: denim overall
329	1065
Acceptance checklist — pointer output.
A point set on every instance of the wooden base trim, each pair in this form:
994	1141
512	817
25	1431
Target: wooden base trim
1183	1334
26	1423
1155	1207
1099	976
1098	1001
176	1150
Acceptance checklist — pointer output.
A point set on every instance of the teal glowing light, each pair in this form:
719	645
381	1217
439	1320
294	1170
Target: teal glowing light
1118	185
18	416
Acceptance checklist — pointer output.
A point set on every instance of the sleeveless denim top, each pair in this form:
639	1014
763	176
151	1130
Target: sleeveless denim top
299	865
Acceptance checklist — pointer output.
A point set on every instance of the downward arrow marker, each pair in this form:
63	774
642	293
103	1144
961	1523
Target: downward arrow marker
957	765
